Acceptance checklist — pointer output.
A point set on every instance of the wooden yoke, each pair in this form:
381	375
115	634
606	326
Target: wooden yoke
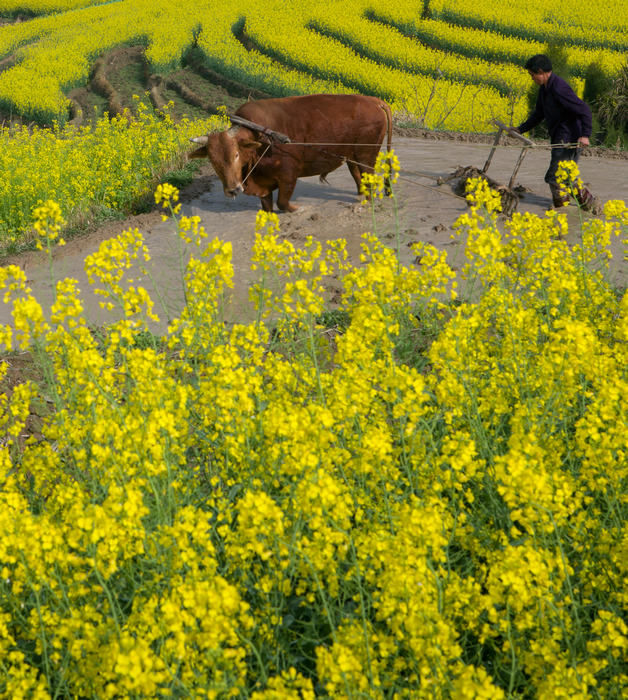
257	127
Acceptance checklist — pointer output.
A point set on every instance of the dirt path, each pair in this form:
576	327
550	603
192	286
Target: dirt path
426	213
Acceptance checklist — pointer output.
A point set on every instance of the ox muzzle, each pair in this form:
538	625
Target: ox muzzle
233	191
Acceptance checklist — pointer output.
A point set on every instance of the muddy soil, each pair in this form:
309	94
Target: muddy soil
425	212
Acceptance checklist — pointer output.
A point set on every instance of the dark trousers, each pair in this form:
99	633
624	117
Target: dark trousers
558	154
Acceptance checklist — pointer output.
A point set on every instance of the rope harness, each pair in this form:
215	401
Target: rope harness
345	159
255	164
537	146
282	141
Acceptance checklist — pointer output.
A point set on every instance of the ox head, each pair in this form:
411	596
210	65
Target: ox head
231	153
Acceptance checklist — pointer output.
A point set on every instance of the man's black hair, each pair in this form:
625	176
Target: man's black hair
540	63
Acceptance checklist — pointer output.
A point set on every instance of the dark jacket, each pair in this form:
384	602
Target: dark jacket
567	117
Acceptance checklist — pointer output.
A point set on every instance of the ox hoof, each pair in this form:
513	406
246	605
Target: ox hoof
290	208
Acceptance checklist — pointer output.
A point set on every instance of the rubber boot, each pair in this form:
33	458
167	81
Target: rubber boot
587	201
558	199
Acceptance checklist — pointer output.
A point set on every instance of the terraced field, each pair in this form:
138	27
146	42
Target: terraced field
449	65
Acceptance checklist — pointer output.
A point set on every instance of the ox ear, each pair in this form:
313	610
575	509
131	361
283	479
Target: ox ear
199	153
202	151
251	144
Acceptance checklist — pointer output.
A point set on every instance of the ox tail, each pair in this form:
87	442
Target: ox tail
386	107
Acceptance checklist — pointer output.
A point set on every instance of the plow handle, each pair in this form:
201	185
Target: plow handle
511	130
501	128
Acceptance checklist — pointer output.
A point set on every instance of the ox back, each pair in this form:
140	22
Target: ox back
341	128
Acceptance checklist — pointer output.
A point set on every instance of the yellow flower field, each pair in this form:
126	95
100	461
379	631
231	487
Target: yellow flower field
427	502
349	45
91	169
568	21
44	6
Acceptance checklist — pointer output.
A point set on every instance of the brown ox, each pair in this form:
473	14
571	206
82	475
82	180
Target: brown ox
348	128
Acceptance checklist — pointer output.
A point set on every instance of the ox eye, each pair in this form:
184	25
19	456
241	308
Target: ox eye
237	155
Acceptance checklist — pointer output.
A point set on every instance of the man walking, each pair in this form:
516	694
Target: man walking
568	120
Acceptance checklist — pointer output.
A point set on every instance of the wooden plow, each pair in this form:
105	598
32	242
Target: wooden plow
510	199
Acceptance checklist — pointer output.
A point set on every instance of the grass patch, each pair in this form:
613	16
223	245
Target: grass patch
183	176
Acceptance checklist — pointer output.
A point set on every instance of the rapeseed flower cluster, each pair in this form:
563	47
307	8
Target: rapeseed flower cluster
47	224
287	510
383	179
568	178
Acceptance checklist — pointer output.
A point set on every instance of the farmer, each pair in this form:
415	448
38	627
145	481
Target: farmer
568	121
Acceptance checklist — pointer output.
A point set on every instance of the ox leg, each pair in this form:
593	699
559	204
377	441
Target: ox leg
267	202
387	187
286	188
356	173
358	170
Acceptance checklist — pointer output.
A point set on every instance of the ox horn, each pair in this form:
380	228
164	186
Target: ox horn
200	139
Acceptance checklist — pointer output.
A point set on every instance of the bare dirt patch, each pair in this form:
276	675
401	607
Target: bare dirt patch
19	367
15	19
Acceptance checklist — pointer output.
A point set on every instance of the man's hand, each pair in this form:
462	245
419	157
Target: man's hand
583	141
